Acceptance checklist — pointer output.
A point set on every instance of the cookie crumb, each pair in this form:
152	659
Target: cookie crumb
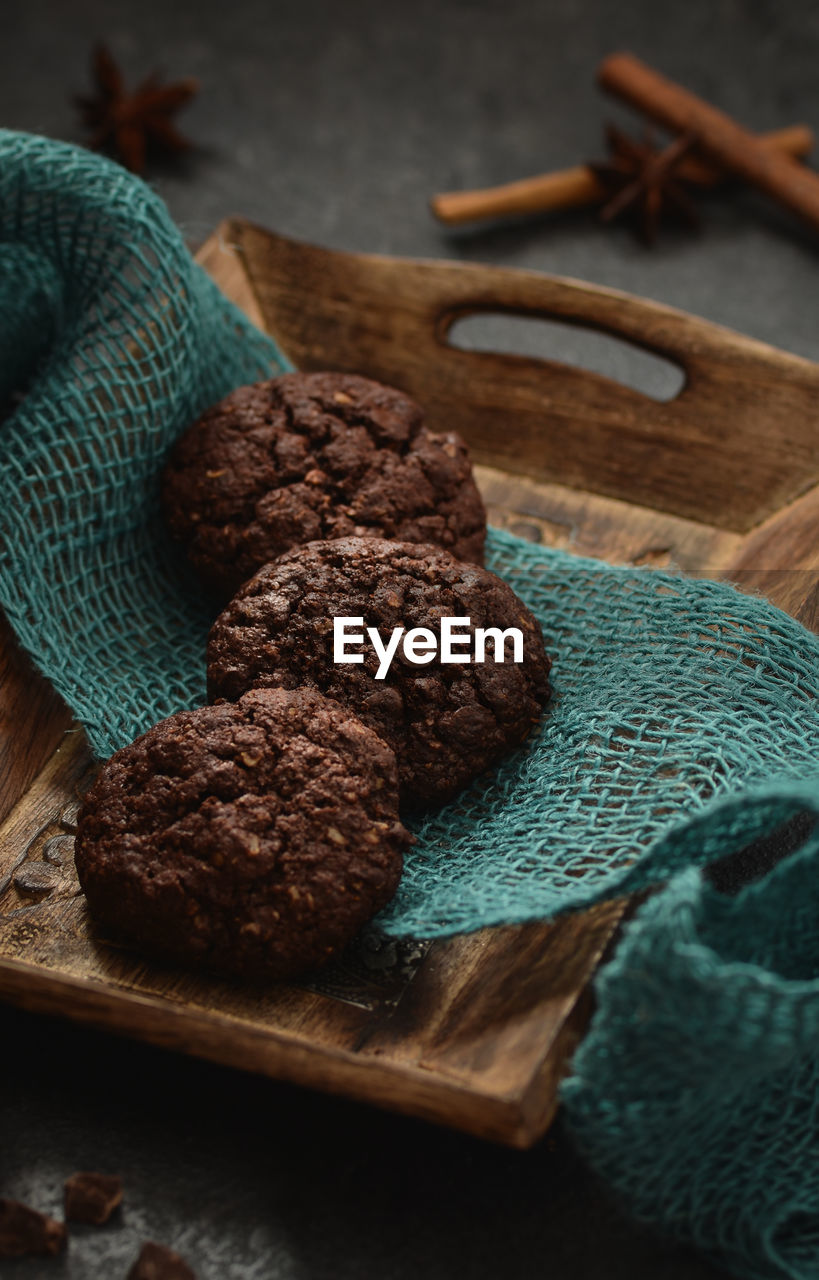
157	1262
92	1197
24	1231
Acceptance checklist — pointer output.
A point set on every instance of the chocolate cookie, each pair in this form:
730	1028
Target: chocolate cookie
446	721
315	455
252	839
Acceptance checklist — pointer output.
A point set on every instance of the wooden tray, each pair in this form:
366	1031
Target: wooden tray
474	1032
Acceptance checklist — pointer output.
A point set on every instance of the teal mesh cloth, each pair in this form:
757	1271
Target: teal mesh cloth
670	693
696	1091
684	724
118	340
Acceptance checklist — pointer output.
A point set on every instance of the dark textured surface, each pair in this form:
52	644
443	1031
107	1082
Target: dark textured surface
250	1180
445	721
335	123
252	839
315	455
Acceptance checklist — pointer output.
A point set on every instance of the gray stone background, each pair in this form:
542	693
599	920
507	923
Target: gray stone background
335	122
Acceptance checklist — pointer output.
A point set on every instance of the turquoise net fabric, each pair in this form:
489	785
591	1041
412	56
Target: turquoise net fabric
684	725
118	339
696	1091
670	694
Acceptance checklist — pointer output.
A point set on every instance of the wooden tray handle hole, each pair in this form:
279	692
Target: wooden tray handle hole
570	344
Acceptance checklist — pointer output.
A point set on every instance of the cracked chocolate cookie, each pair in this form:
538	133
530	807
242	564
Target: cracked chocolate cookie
446	721
252	839
315	455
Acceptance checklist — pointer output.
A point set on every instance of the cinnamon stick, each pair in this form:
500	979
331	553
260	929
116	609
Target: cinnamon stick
725	142
578	186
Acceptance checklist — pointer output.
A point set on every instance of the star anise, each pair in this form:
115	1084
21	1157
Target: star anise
643	181
130	124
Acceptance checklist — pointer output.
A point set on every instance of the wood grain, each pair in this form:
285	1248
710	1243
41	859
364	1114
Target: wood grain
739	442
477	1040
473	1032
33	719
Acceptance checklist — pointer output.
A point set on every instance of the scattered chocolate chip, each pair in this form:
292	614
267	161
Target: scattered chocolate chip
156	1262
92	1197
26	1231
35	879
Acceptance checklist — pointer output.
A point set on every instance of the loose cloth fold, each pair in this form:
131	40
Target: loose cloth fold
684	725
117	340
696	1091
